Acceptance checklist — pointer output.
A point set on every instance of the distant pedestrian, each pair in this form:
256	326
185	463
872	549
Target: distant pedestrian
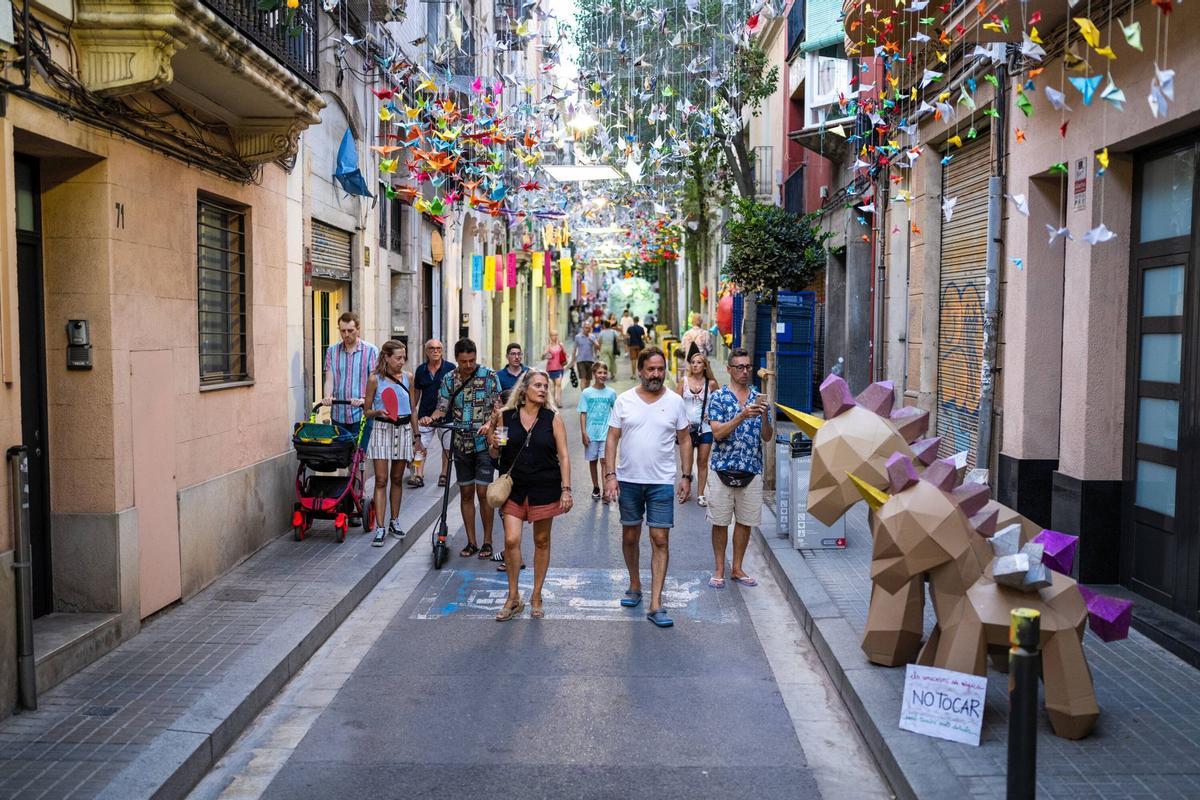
584	354
697	384
627	319
741	423
532	444
573	320
392	437
607	339
476	393
556	364
635	340
595	407
427	380
647	424
651	331
513	371
698	336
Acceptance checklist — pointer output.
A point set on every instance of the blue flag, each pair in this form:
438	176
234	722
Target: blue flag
346	172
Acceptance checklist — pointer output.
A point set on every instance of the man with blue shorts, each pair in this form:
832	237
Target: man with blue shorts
595	407
653	423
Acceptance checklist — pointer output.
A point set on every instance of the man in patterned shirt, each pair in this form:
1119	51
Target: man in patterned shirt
741	422
475	391
347	366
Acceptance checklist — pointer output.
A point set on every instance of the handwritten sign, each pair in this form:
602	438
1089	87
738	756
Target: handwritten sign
943	704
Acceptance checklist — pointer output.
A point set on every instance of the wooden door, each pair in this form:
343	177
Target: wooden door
154	488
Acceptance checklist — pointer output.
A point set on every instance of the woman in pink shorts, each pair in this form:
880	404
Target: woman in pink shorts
556	363
534	453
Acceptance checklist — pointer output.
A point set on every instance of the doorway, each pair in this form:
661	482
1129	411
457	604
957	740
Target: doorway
1160	548
330	299
32	342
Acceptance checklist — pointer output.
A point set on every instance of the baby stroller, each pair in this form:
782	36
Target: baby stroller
329	447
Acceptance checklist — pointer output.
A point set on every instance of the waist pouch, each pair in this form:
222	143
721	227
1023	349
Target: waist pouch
735	478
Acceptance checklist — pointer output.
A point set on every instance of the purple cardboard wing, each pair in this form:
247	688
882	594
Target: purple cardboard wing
1059	552
1108	617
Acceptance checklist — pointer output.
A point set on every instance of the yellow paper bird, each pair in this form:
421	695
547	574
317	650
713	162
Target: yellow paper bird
955	140
1035	37
940	56
427	86
388	165
1107	52
943	97
1089	31
1102	157
385	113
412	113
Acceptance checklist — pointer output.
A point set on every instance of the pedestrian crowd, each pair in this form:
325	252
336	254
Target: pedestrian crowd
641	445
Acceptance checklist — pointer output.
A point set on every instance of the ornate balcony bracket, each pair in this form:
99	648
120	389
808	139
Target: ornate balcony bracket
127	47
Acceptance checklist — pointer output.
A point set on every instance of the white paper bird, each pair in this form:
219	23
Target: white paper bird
1099	234
1057	232
948	205
1057	99
1021	202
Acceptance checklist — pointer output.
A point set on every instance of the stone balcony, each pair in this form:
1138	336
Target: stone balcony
226	57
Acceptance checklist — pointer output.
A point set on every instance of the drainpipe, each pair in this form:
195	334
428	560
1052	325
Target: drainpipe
18	480
991	303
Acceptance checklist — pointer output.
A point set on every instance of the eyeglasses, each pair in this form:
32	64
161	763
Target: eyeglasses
739	366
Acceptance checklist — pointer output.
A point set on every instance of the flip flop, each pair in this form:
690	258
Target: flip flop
468	551
716	583
631	599
485	552
745	580
660	618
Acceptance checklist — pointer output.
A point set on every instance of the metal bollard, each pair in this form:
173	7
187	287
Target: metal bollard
1024	669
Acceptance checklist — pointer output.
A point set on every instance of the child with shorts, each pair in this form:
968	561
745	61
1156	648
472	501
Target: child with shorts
595	404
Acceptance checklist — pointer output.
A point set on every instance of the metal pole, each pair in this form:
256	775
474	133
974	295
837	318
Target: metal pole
18	479
1024	668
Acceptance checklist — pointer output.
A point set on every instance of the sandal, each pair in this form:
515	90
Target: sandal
537	612
441	482
745	580
502	569
485	552
498	556
716	583
416	481
468	551
508	612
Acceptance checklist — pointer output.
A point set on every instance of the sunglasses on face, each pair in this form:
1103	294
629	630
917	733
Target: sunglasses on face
739	366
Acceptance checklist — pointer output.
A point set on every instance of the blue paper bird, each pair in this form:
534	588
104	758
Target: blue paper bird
1087	87
346	171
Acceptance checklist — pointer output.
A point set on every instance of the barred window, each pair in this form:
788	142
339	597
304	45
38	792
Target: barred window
221	295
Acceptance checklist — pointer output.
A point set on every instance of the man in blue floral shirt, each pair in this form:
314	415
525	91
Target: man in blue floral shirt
741	422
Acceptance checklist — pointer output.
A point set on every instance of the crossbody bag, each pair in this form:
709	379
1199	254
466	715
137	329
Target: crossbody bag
499	489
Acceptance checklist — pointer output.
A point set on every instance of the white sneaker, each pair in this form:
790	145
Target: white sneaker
396	530
380	537
702	501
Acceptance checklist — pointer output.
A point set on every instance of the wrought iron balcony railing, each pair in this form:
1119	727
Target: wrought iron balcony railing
293	43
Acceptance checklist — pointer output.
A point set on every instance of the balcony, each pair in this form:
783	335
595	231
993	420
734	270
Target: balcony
235	64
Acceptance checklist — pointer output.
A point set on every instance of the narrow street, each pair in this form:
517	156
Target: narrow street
422	694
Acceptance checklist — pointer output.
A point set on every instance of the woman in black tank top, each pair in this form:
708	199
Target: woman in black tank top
535	455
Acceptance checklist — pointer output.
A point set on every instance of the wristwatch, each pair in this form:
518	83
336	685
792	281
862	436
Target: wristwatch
608	475
686	476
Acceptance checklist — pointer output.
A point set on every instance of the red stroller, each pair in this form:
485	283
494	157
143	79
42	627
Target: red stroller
322	447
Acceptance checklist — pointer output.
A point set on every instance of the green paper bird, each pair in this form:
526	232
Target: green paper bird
1024	104
971	134
991	112
993	80
1060	167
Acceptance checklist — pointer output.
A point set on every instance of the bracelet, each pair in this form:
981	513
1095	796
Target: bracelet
567	489
608	475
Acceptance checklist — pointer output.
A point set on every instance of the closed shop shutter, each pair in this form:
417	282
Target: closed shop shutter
330	252
961	301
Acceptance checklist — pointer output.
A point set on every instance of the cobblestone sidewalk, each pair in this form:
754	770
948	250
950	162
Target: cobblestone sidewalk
1146	744
151	716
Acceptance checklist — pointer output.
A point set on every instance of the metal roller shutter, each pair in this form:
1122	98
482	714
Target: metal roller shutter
961	299
330	252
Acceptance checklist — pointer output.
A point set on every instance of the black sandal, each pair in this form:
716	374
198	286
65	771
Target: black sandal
485	552
468	551
416	481
442	481
502	569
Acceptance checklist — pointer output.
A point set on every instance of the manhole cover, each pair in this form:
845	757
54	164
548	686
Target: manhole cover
100	711
234	595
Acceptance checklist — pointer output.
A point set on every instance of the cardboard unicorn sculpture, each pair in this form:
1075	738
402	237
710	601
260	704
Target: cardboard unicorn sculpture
927	527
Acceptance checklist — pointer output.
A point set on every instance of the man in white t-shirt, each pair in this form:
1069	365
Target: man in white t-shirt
653	423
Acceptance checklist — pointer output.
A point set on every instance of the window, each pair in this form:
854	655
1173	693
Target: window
764	165
396	212
828	78
221	292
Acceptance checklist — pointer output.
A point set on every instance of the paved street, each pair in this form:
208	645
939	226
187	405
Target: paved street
422	694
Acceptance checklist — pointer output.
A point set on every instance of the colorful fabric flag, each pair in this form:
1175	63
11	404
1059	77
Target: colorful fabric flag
548	271
537	272
500	271
489	274
512	269
564	266
477	273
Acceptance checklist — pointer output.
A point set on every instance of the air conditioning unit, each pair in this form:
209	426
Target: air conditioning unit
827	80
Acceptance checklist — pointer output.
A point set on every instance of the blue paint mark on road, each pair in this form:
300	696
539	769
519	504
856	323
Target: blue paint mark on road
574	594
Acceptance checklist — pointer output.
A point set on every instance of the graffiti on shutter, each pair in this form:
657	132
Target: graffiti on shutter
961	299
330	252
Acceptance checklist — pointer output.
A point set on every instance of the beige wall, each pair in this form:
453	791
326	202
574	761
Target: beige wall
1093	309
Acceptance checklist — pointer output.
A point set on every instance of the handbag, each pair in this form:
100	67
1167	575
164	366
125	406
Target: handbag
499	489
574	379
735	478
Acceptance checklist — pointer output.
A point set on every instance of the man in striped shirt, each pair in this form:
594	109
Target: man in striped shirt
347	366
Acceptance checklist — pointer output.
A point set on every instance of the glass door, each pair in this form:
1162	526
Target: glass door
1159	532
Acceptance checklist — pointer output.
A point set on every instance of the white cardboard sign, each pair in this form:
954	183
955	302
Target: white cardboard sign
943	704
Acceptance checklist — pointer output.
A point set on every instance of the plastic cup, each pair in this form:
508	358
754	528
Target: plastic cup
418	459
502	435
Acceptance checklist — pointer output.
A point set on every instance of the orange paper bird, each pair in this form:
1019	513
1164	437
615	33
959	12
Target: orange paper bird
915	229
386	150
407	192
1020	135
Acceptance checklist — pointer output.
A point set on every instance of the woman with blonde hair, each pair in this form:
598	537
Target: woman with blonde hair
695	386
530	441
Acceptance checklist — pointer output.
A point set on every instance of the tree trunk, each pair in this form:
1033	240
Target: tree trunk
750	326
